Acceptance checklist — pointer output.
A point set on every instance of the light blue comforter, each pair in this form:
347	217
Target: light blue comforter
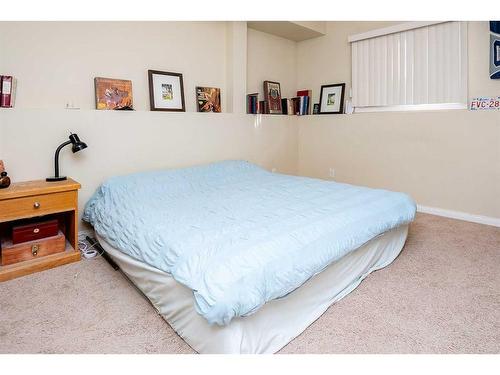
237	235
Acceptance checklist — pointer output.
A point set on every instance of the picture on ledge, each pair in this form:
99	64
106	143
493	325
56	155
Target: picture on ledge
113	94
272	95
331	99
208	99
166	91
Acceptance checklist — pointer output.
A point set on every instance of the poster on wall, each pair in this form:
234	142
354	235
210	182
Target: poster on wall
208	99
495	49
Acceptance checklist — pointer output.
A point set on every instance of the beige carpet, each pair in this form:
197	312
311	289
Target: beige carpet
441	295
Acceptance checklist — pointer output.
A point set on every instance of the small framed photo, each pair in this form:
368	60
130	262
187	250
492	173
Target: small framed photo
272	95
208	99
166	91
113	94
331	99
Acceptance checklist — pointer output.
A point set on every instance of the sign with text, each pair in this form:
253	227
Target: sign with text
485	103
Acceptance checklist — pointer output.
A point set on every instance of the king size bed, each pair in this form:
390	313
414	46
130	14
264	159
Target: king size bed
241	260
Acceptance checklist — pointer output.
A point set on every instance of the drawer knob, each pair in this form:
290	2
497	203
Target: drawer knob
36	230
36	204
34	250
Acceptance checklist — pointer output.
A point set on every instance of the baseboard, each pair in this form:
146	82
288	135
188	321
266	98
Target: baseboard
459	215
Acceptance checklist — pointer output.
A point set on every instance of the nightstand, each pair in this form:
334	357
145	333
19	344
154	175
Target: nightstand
33	199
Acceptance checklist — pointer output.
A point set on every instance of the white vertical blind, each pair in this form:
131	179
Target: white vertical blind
425	65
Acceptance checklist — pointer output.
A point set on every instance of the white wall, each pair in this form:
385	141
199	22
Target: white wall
56	62
127	142
444	159
327	59
480	83
271	58
236	67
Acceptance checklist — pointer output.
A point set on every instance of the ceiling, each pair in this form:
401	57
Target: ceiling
293	30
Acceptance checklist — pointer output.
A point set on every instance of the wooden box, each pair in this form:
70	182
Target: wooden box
34	231
33	249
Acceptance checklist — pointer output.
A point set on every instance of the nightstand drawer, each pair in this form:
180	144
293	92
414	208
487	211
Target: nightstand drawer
32	250
37	205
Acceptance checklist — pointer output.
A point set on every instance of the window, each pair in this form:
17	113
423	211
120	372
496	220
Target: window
412	66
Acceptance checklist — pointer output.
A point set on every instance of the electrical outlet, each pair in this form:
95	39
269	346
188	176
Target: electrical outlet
71	105
331	172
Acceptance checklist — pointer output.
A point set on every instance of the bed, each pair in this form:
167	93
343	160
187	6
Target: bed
241	260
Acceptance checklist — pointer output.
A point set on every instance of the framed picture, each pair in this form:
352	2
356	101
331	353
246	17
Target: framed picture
166	91
316	109
272	95
113	94
208	99
331	99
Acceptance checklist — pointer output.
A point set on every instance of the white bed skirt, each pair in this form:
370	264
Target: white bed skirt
277	322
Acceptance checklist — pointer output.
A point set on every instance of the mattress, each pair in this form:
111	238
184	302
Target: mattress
237	235
277	322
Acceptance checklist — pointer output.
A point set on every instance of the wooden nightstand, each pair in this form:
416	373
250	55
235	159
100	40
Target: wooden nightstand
32	199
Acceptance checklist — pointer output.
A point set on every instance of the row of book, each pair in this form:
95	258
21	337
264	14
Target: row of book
296	106
6	91
299	105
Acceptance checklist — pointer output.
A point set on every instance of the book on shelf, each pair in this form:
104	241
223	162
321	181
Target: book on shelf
304	105
253	103
287	107
6	91
300	105
284	106
263	107
308	94
295	105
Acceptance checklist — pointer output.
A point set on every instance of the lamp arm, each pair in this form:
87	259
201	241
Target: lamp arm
56	158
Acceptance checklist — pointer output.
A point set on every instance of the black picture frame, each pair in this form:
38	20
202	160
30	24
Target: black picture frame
324	111
151	91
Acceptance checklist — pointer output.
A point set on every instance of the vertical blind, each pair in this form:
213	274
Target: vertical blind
426	65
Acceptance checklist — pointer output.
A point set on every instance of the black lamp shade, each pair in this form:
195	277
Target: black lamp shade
77	144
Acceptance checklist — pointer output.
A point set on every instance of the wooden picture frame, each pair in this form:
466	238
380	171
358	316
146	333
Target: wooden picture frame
272	96
166	91
113	94
329	102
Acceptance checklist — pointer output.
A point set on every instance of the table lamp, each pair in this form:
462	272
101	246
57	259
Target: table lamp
77	146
